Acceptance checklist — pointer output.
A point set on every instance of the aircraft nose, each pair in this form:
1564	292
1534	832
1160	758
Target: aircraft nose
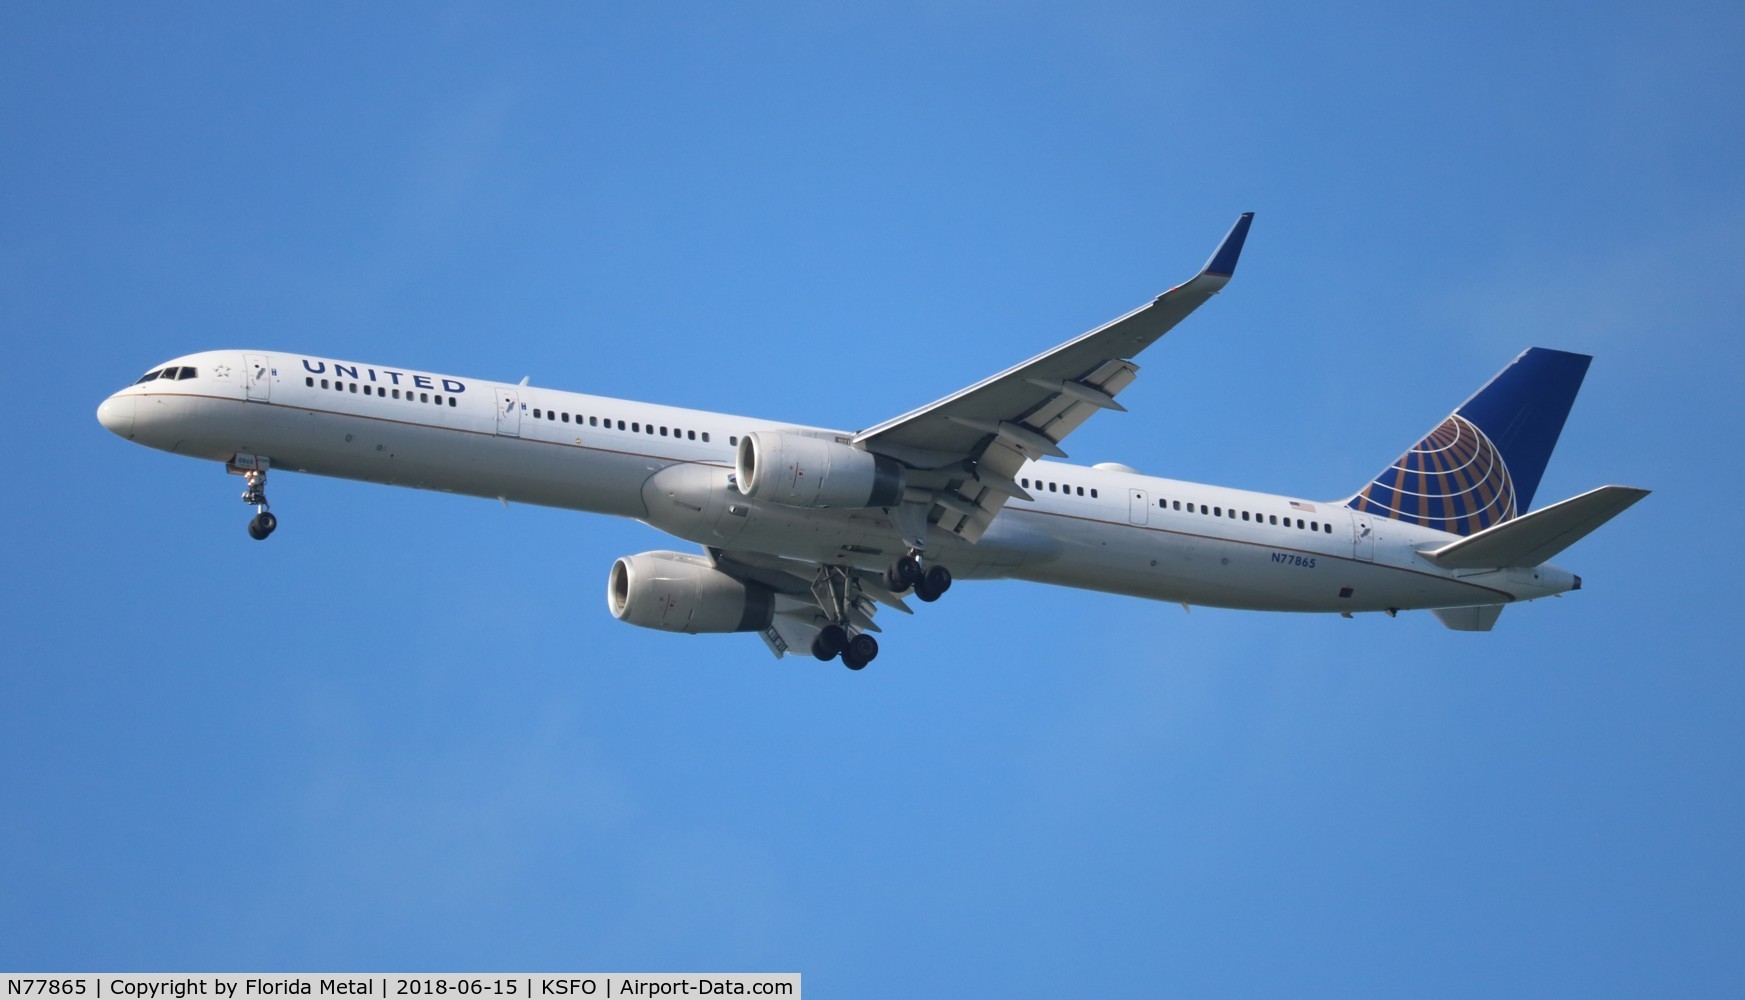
116	414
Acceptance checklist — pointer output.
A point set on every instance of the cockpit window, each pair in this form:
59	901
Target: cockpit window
148	376
186	372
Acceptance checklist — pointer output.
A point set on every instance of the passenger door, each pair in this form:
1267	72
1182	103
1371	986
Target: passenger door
508	411
1138	506
1363	536
257	377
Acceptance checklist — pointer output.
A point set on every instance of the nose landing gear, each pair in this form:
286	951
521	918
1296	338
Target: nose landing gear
254	476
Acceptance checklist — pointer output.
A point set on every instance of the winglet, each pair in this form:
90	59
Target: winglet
1223	262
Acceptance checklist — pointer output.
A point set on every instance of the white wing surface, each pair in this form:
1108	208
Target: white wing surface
963	450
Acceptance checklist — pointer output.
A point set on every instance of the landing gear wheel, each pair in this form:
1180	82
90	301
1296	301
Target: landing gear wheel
831	640
903	574
862	650
262	525
933	584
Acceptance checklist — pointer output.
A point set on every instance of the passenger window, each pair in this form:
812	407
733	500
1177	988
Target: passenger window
424	397
309	381
1081	490
1217	512
1178	505
536	413
1163	503
649	430
705	435
1314	526
1244	515
1052	489
1272	518
734	440
439	402
1327	528
1024	483
1093	493
663	432
354	388
691	435
635	427
1299	523
396	394
566	418
451	401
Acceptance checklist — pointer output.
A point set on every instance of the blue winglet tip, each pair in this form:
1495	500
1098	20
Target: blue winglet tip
1223	262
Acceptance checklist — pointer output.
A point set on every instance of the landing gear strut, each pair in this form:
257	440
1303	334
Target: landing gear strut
263	522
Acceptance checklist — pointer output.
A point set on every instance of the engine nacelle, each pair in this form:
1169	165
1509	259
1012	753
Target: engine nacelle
798	471
676	592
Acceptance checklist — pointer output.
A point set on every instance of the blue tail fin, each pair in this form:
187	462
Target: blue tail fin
1482	465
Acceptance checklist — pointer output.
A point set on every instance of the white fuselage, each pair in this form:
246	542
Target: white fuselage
1095	528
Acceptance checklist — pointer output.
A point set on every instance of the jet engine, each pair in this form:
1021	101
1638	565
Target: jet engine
799	471
675	592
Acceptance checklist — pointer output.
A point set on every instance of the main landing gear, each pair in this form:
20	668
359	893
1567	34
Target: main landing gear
834	641
929	583
839	593
263	522
849	611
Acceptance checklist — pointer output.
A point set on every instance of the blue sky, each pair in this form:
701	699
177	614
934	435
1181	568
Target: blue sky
406	734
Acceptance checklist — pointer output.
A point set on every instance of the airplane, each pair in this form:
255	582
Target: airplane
806	531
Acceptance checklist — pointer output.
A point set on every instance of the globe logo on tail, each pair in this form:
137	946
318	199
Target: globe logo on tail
1454	480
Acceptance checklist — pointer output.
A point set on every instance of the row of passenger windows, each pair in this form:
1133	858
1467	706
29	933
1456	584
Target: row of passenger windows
1191	508
175	373
635	427
377	390
1232	513
1058	488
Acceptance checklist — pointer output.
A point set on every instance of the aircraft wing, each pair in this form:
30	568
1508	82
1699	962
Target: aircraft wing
962	451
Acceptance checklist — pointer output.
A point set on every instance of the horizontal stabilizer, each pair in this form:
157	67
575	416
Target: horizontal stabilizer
1479	619
1533	538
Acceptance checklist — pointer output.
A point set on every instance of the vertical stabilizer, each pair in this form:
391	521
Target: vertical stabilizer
1482	465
